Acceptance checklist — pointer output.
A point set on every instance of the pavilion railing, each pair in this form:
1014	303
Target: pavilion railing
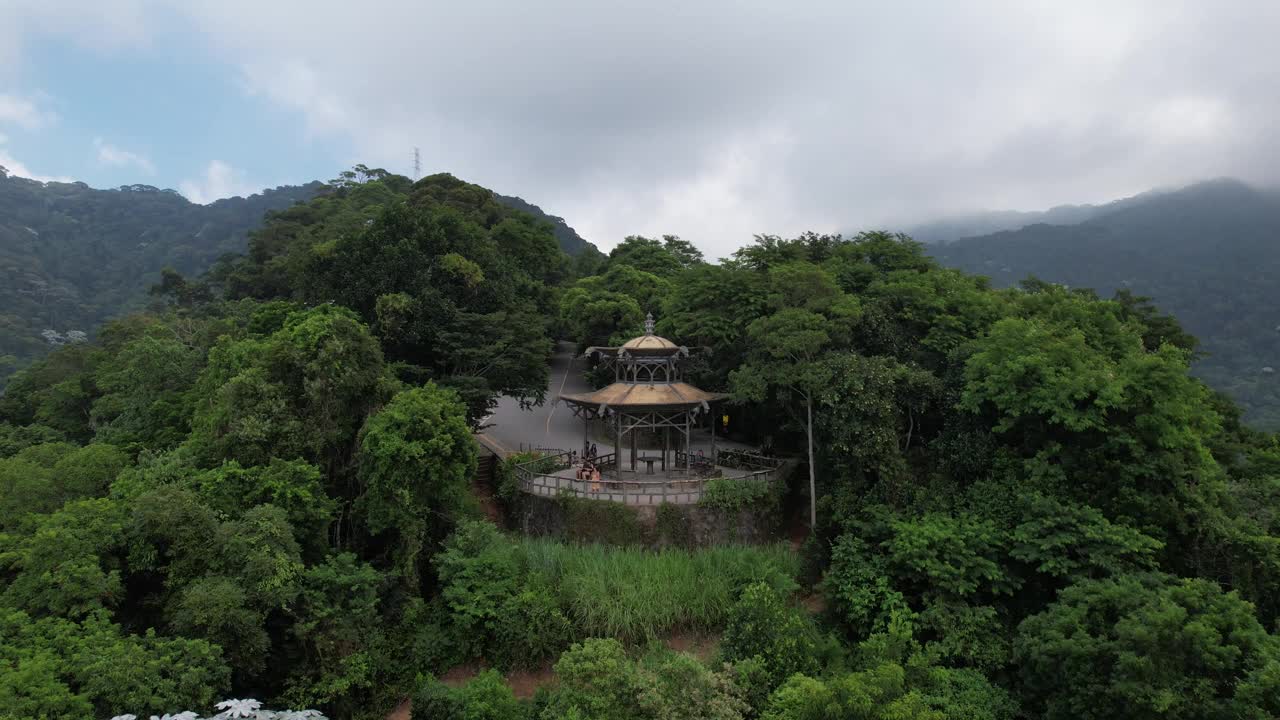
746	460
696	462
546	476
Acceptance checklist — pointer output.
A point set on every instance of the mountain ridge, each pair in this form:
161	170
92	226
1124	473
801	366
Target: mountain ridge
1206	253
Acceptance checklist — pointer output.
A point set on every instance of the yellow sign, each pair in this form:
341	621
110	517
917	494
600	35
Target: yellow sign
724	419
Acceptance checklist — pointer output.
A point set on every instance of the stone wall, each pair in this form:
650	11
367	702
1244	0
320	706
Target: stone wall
583	520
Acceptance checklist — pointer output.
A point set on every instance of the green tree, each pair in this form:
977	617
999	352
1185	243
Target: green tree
67	563
1144	646
416	461
811	316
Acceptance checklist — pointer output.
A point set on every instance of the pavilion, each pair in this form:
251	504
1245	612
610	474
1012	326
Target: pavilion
647	394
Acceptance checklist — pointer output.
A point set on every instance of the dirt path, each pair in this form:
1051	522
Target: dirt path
488	503
524	683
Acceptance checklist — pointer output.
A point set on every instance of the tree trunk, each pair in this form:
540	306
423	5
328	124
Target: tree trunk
813	485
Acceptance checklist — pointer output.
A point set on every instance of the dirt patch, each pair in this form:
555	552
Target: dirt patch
402	711
815	603
524	683
702	647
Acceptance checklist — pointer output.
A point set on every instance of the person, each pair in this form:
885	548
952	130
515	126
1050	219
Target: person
593	451
595	479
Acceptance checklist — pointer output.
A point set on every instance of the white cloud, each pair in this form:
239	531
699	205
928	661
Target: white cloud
220	180
642	117
23	112
695	119
17	168
109	154
100	25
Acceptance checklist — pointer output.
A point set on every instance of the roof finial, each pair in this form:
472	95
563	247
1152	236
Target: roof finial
648	324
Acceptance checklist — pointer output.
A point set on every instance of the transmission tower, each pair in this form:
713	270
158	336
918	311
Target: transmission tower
417	165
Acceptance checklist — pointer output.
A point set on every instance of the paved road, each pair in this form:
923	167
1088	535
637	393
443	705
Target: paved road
549	424
552	425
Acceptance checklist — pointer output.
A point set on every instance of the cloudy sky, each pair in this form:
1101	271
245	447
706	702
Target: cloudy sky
711	120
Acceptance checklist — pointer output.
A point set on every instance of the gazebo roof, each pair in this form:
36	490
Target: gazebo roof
649	343
637	395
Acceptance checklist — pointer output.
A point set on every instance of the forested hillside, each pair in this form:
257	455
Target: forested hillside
1026	506
1208	254
72	256
570	241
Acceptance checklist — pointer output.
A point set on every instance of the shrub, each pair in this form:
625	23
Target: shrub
485	697
479	572
736	494
761	625
599	681
531	629
858	588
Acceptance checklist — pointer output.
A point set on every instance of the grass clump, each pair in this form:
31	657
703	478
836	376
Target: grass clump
634	594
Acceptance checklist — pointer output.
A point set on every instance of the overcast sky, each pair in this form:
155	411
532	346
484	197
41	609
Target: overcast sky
713	121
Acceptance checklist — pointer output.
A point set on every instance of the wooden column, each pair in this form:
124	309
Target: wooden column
688	444
713	440
617	446
666	446
633	450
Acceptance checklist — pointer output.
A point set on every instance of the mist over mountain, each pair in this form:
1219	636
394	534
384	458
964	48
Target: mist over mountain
975	224
1208	254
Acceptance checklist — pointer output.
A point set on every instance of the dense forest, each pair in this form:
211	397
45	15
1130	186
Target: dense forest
1026	505
1208	254
72	257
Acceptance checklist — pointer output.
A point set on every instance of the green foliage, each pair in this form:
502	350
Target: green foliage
485	697
1178	248
479	572
66	563
599	521
781	639
1145	646
301	392
531	628
635	594
416	462
259	490
860	589
663	258
1078	542
16	438
732	495
598	680
54	668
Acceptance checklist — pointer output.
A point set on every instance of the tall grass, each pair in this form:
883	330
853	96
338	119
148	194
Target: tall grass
634	594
